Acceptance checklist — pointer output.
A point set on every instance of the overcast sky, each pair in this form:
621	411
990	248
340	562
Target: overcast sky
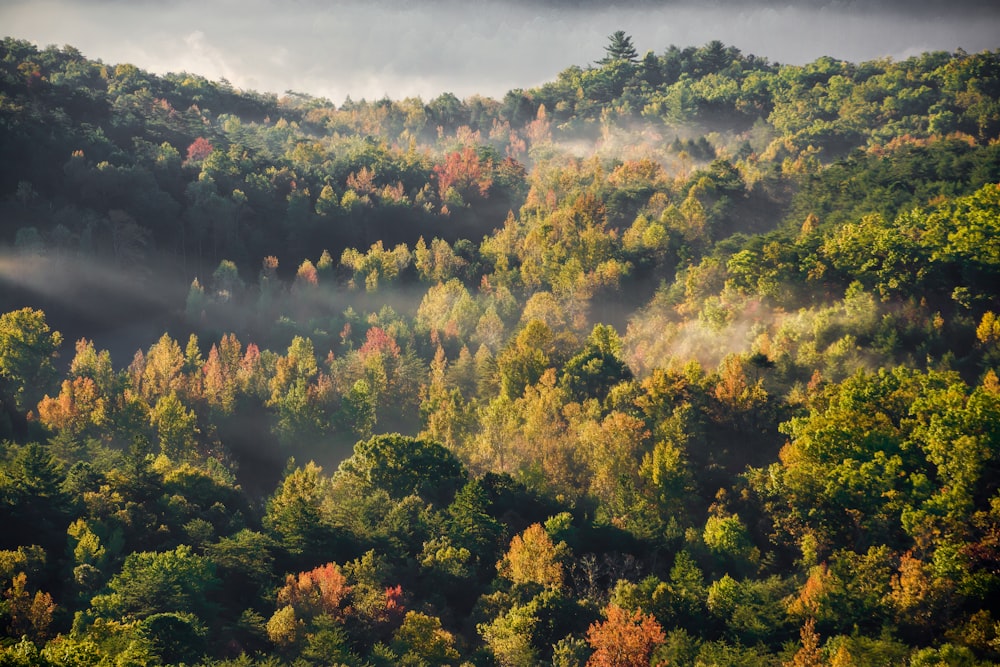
399	48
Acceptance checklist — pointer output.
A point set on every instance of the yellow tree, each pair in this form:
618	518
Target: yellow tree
161	373
613	447
543	442
422	640
532	558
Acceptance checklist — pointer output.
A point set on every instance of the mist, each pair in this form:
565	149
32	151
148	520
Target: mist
119	310
396	48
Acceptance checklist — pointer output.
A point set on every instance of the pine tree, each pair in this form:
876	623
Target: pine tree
619	48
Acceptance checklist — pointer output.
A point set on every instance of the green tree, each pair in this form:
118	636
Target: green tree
592	373
32	500
245	565
726	536
525	358
27	348
295	513
158	582
401	465
469	523
751	610
177	638
510	636
176	428
619	48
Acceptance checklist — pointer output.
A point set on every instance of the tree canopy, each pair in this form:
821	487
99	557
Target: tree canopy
688	358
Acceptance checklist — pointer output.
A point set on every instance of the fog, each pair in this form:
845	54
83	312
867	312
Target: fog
402	48
119	310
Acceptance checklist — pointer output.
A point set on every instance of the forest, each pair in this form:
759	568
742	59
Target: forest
684	358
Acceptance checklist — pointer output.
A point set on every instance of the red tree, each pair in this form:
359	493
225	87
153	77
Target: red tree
463	170
199	149
378	340
319	591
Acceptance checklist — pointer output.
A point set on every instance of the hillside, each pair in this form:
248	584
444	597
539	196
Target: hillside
684	358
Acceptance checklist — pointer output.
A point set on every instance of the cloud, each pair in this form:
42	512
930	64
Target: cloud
204	56
401	48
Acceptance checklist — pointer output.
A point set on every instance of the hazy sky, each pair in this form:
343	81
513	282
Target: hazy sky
367	49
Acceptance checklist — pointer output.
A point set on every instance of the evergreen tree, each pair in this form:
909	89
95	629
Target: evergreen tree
619	48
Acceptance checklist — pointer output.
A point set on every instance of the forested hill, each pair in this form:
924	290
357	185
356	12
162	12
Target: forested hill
685	358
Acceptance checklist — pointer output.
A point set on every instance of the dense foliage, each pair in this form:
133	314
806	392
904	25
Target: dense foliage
688	358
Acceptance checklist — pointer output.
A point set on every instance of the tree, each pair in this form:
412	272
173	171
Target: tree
666	470
178	638
462	175
751	610
162	372
29	615
322	590
611	448
244	563
727	538
809	654
294	512
90	363
27	348
623	639
78	409
422	640
156	582
401	465
448	308
226	282
509	636
299	364
592	373
525	358
306	277
283	628
199	149
220	380
177	428
32	501
469	523
919	599
619	48
532	559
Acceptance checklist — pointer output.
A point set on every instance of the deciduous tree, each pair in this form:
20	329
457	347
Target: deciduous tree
27	348
623	639
532	559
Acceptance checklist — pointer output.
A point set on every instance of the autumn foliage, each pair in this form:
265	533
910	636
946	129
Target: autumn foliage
199	149
780	441
322	590
532	558
624	639
465	171
378	341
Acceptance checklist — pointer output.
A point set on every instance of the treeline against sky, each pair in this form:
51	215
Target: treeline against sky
688	357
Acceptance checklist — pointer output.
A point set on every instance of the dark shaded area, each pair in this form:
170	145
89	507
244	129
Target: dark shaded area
120	312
